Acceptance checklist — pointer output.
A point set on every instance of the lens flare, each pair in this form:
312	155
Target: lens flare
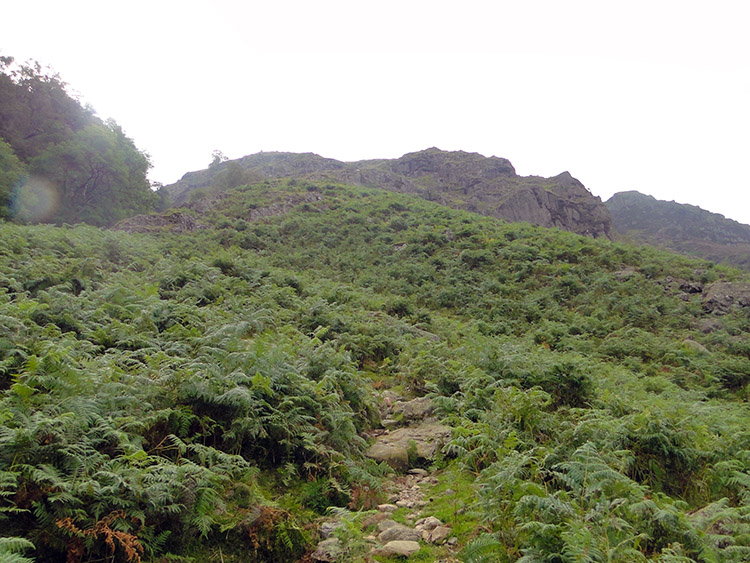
36	200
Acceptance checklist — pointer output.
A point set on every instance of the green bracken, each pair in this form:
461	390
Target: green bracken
208	394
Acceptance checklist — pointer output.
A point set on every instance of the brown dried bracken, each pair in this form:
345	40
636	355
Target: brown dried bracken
102	529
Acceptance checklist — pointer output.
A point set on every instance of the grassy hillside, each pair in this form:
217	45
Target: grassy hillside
457	179
208	395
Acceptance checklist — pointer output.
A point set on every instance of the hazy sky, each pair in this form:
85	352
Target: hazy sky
646	95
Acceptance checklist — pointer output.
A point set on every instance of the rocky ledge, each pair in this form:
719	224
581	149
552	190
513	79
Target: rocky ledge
486	185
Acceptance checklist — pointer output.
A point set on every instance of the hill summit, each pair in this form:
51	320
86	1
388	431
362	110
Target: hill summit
458	179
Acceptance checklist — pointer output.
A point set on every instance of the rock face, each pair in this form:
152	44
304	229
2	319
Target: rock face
421	441
680	227
458	179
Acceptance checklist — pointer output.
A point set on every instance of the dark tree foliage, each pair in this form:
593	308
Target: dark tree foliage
95	173
11	173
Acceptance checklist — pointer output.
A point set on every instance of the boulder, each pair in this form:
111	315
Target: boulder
328	551
427	524
385	524
327	529
691	287
437	535
707	326
720	297
394	454
399	532
421	441
416	409
400	548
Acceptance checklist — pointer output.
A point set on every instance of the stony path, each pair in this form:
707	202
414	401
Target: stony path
410	437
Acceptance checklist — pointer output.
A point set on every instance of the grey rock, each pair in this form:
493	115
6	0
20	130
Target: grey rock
399	532
425	439
721	297
394	454
437	535
691	287
707	326
176	222
416	409
387	507
427	524
327	529
385	524
402	548
328	551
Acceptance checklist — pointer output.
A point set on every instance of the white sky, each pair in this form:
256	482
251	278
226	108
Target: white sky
646	95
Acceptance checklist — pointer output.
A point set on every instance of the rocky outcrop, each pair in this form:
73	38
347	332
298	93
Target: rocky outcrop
569	207
721	297
458	179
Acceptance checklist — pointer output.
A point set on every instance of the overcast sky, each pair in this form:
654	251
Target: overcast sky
640	95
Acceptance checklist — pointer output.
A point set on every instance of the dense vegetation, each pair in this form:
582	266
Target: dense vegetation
207	394
680	227
58	161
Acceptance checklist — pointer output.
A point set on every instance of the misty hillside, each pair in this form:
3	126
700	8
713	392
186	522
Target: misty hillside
680	227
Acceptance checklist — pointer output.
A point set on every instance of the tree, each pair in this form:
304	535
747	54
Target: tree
217	157
99	175
12	171
86	169
36	111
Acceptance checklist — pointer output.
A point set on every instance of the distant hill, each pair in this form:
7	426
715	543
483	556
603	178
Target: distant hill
458	179
684	228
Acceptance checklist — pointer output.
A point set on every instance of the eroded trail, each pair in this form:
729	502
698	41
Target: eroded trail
409	441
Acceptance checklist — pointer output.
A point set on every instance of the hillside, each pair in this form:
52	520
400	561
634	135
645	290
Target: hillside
680	227
461	180
219	383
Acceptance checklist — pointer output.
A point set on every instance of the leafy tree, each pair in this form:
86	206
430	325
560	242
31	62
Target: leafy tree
99	174
11	174
36	110
91	171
